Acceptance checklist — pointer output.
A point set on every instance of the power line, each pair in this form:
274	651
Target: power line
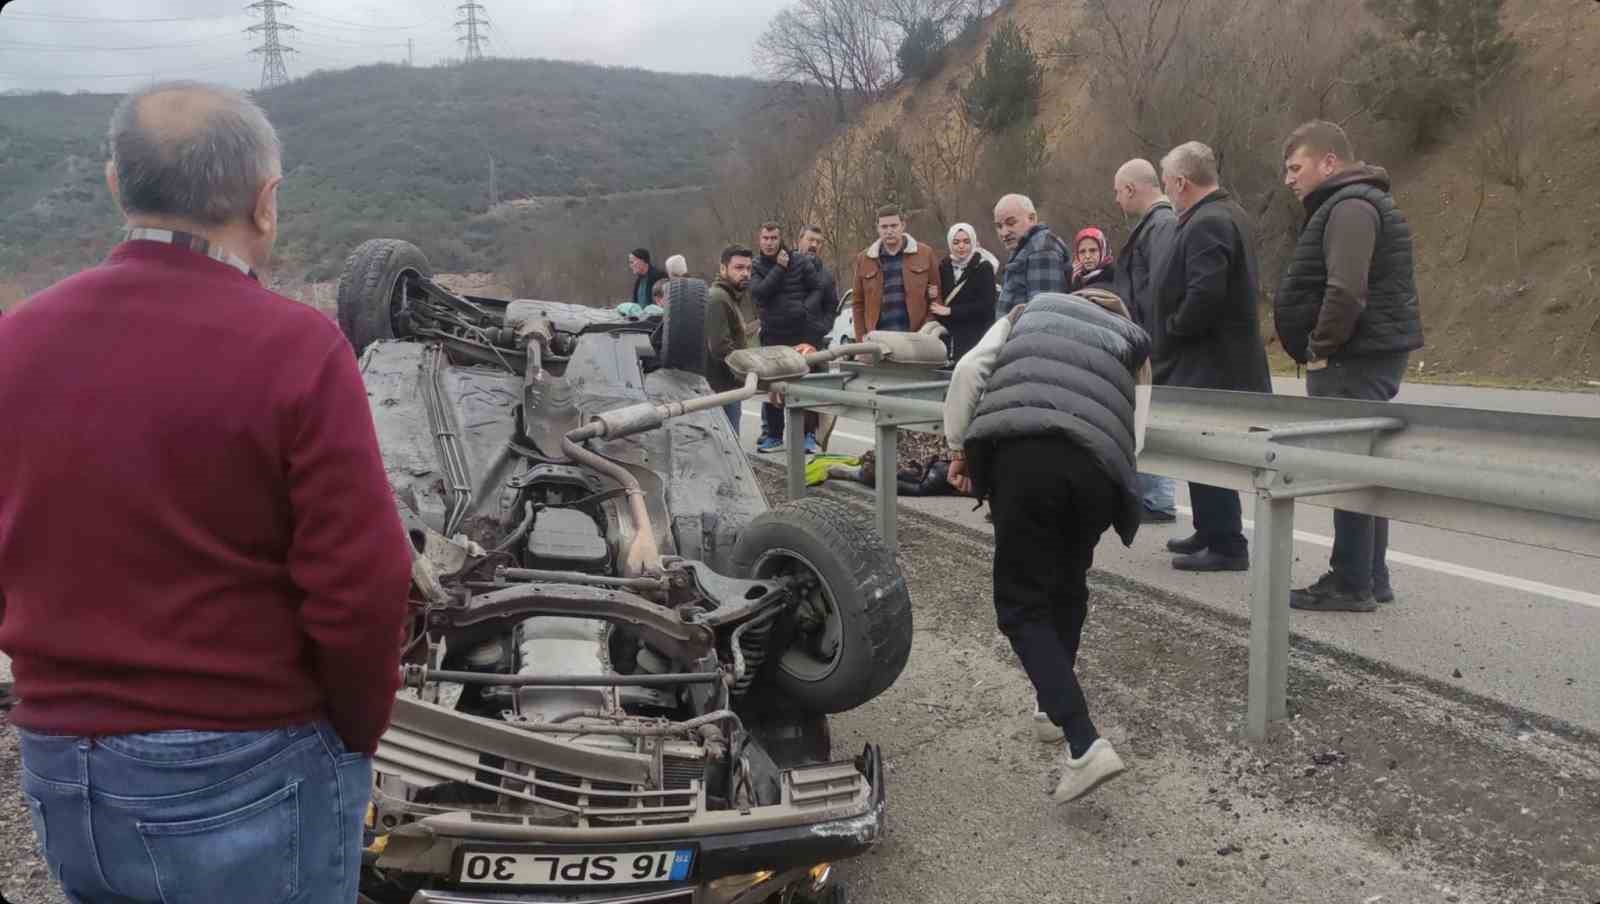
45	17
473	20
273	72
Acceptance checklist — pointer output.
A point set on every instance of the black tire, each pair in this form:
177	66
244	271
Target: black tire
372	293
683	328
860	598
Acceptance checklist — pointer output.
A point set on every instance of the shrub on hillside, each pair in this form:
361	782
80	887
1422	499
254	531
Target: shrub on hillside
1004	92
1427	69
922	51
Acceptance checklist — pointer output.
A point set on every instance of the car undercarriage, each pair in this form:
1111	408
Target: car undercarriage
620	663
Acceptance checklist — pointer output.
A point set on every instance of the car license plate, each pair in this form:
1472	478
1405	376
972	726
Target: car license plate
622	868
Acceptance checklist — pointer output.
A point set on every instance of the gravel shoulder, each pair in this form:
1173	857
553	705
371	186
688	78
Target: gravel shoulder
1382	786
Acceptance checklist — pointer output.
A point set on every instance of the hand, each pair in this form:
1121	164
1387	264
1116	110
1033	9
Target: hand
933	292
939	309
775	398
805	348
783	258
958	476
1316	364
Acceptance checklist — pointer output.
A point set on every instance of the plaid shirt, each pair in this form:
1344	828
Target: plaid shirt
1039	265
892	315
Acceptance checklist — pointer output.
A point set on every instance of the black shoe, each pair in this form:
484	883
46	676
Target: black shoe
1382	590
1211	560
1329	595
1151	516
1188	546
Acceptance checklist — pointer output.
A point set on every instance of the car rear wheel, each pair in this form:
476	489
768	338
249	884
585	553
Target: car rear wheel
683	326
848	638
373	290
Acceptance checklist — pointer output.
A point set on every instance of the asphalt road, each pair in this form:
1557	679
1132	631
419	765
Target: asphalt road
1520	625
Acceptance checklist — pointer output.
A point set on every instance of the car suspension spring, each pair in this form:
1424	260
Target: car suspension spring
750	652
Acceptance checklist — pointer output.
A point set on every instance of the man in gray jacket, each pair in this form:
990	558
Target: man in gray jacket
1347	310
1044	417
1138	192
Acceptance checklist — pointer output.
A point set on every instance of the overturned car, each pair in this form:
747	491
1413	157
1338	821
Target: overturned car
621	660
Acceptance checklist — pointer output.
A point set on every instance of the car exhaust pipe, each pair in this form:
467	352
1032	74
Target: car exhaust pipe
643	554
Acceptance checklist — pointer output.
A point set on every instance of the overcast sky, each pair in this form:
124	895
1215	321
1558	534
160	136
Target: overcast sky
114	45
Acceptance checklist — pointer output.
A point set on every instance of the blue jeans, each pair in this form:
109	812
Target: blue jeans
199	817
1159	494
734	411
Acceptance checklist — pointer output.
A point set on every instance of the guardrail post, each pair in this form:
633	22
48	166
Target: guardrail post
1269	612
794	444
888	485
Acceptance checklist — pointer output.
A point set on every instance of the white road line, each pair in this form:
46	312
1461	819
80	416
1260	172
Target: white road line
1565	594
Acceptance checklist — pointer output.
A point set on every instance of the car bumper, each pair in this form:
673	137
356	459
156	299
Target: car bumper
780	851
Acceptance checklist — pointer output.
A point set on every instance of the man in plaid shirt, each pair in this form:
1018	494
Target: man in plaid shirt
1039	261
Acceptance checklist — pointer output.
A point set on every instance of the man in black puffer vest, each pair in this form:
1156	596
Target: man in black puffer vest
1347	310
1045	418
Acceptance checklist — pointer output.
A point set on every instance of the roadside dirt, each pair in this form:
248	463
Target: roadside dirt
1382	787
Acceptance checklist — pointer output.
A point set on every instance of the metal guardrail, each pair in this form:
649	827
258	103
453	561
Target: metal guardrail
1530	479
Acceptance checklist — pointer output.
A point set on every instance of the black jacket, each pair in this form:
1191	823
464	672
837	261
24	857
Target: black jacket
1068	369
1103	277
1391	321
789	300
649	280
828	308
1140	260
1206	332
972	312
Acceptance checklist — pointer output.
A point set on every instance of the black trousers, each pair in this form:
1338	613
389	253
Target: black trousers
1218	519
1051	503
1360	542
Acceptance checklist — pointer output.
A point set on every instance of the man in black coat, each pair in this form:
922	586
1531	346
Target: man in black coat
1347	310
1139	263
1206	334
788	297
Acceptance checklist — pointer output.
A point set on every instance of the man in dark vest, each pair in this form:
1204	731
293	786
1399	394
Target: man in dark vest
1347	310
1206	333
1045	417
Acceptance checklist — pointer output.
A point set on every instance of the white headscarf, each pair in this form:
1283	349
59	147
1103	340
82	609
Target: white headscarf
960	264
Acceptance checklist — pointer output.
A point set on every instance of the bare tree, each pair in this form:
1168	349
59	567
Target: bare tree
838	44
944	164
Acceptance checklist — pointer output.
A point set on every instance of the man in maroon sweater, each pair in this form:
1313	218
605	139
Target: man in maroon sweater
203	575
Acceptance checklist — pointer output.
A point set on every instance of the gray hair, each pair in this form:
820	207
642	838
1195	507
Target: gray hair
1023	202
677	266
204	163
1193	161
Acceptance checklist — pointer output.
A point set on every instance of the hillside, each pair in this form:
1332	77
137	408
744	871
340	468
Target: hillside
388	150
1509	284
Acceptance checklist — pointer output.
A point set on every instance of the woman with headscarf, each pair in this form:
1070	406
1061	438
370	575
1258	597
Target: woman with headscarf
1091	260
966	289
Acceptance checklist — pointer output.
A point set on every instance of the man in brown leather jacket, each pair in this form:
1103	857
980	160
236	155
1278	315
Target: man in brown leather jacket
897	277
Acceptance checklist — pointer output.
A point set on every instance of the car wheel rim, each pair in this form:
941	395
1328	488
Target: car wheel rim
818	644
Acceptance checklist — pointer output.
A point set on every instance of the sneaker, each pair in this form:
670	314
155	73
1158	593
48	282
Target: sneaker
1151	516
1046	731
769	444
1098	765
1211	560
1187	546
811	444
1329	595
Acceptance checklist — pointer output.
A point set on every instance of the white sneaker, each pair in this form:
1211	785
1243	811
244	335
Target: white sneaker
1046	731
1088	772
